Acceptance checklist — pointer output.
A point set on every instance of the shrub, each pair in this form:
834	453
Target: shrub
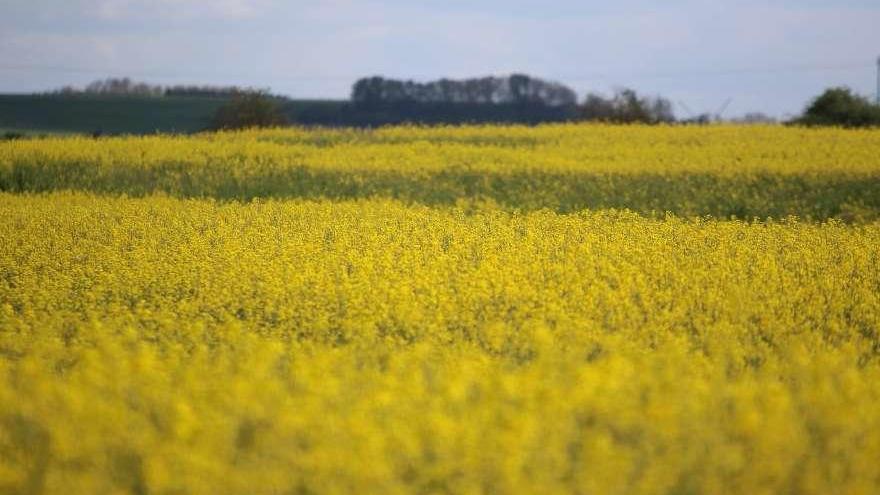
840	107
247	110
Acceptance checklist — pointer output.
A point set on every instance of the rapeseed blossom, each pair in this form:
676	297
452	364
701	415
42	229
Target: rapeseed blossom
176	318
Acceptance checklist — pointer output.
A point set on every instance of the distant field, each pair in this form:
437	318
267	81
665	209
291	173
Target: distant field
35	114
722	171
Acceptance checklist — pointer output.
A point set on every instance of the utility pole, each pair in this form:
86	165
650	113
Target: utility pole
878	81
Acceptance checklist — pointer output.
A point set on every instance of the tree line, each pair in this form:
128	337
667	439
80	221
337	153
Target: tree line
514	89
375	101
124	86
518	98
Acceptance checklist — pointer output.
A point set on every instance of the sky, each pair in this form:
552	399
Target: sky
769	56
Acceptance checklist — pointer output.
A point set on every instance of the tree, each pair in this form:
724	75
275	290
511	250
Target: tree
840	107
515	89
127	87
626	107
123	87
249	109
112	86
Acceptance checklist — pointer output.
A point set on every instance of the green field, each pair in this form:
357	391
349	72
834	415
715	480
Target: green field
86	114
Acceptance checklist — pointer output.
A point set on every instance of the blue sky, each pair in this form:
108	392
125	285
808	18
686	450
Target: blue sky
769	56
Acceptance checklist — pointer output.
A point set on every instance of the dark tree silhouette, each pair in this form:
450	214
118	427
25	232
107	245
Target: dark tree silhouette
126	87
517	88
516	98
840	107
626	107
249	109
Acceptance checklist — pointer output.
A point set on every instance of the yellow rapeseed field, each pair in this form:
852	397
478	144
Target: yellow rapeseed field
745	171
561	309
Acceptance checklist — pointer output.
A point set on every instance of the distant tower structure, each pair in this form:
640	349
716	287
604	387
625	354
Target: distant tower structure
878	80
